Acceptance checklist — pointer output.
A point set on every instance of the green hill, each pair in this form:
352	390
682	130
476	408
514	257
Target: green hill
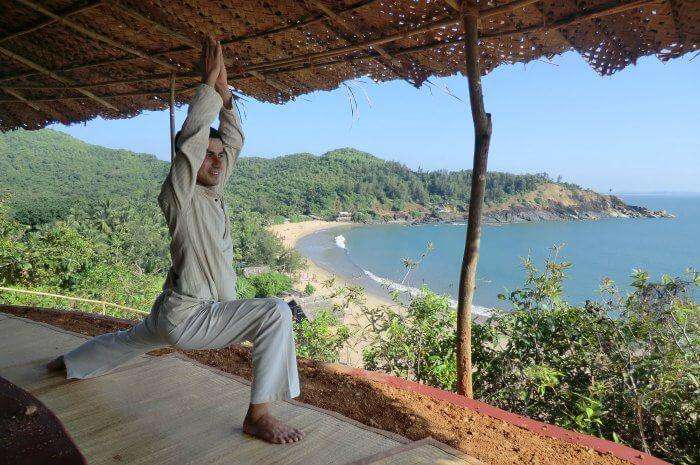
46	174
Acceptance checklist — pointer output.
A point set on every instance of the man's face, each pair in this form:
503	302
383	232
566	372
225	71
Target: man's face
210	172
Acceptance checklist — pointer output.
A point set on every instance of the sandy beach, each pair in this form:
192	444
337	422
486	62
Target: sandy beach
290	233
319	277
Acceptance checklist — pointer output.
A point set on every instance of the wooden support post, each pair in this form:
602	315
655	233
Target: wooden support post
172	117
482	137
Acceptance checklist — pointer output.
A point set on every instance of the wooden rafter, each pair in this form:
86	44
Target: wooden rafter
189	42
43	24
114	82
454	4
35	105
116	95
97	36
31	64
570	20
347	27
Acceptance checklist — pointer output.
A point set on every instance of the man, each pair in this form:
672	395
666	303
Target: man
198	308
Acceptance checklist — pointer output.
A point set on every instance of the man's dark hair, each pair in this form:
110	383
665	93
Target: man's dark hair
213	134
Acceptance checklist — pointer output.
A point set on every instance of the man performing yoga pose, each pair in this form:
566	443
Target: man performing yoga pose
198	308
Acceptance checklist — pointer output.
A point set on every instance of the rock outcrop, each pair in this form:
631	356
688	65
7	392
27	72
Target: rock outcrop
551	202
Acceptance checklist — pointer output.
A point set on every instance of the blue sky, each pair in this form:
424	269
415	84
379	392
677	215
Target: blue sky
635	131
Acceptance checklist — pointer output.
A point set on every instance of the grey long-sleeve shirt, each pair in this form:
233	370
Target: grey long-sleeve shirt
200	246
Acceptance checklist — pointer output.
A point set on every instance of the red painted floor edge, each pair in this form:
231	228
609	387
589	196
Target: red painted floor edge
544	429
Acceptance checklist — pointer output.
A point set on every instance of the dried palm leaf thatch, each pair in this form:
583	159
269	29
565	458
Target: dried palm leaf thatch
70	61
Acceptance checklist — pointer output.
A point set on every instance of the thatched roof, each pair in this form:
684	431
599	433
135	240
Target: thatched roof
70	61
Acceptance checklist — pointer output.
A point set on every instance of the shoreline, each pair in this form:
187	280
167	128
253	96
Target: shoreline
291	233
319	277
316	274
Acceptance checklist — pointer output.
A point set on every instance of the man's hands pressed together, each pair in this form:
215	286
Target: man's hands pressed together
214	69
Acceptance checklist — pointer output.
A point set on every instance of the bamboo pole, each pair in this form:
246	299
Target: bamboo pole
138	93
482	137
388	61
172	117
115	82
46	111
74	299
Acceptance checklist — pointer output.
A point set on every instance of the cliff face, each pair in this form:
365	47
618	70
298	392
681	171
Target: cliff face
557	202
550	202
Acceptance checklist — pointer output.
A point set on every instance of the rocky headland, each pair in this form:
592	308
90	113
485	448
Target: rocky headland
548	202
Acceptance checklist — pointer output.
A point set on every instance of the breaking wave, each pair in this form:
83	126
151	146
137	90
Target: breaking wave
340	241
415	292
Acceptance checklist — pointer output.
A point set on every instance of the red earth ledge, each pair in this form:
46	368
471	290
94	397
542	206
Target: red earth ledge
600	445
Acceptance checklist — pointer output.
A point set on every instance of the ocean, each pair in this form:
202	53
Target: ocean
372	255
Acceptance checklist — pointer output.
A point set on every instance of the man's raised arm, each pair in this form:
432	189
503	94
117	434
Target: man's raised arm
229	123
232	137
194	136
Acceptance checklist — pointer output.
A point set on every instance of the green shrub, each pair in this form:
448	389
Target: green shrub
244	288
322	338
361	217
254	245
419	345
624	369
270	284
309	289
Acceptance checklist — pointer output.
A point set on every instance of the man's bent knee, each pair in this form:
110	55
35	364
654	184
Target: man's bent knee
281	310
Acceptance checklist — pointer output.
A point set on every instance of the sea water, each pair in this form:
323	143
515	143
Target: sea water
372	255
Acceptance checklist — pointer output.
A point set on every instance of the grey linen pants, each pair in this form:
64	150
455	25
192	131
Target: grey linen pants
264	321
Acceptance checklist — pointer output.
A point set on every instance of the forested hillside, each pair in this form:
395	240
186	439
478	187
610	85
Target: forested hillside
48	173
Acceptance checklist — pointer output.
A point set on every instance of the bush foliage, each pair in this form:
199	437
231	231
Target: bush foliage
625	368
270	284
321	338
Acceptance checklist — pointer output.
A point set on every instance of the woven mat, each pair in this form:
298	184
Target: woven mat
173	410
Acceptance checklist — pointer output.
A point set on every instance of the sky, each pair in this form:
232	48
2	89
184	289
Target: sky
635	131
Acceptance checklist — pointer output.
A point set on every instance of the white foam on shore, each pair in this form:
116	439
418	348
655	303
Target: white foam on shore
340	241
414	292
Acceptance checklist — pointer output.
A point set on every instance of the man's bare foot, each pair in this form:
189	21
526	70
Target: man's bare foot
270	429
56	364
